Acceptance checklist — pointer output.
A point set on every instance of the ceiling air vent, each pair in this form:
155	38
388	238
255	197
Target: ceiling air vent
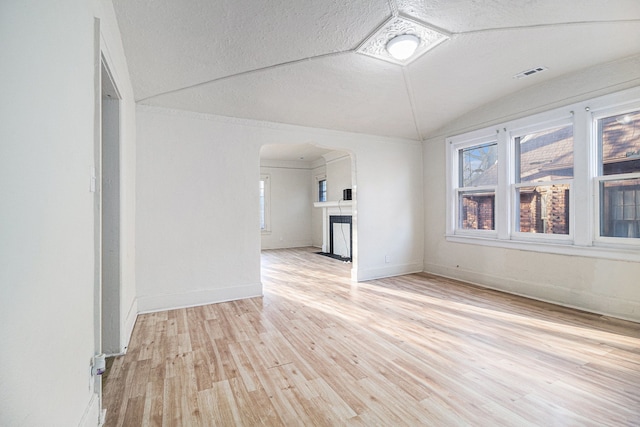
530	72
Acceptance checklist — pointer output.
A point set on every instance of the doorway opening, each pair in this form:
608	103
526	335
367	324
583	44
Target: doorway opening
110	214
307	199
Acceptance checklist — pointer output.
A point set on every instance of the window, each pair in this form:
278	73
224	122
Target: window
322	190
477	180
567	180
543	172
619	175
265	196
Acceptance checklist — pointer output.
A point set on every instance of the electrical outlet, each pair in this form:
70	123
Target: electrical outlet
387	258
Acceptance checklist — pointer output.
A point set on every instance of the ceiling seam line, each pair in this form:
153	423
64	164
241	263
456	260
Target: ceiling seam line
558	24
409	89
256	70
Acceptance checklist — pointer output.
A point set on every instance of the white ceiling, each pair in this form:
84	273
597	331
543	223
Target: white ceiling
306	153
294	61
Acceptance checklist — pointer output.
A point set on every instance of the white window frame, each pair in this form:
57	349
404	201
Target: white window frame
513	199
453	182
599	177
317	187
584	236
266	178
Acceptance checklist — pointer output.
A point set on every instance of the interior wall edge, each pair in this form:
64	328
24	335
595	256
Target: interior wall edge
91	413
129	323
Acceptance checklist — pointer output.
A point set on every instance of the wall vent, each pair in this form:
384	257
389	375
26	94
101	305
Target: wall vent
530	72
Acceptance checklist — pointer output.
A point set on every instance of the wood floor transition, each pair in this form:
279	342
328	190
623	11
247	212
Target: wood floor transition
319	350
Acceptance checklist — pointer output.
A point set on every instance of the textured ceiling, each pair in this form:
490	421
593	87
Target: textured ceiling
294	61
306	153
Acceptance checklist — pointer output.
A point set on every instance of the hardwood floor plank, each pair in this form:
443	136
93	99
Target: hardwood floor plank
318	349
153	405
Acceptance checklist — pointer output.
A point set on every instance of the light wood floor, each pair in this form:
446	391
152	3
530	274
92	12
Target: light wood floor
318	350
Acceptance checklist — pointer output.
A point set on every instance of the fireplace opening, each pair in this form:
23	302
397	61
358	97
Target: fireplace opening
340	236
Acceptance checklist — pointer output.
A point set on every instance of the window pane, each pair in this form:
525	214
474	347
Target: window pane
478	165
477	211
545	155
620	208
322	190
543	209
620	143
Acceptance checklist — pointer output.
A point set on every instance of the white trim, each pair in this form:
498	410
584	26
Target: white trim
558	118
336	204
391	271
515	210
339	207
285	164
600	113
596	251
163	302
455	144
129	324
556	295
607	240
267	202
335	156
584	186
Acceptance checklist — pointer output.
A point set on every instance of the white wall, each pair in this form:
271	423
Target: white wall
598	285
335	167
338	175
319	170
198	231
291	205
198	237
47	213
113	53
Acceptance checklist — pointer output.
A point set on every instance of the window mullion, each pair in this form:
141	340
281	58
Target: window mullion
503	191
584	152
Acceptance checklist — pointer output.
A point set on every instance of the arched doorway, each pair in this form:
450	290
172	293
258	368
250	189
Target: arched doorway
306	199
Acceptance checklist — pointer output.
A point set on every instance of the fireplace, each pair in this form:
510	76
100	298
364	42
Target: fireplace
340	236
337	228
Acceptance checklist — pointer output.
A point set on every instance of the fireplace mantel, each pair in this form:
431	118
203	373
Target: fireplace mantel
340	207
337	204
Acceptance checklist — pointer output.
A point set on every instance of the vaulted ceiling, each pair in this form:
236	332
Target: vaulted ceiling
295	61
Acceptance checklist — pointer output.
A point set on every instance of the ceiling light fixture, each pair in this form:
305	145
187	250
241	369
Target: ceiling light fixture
411	37
403	46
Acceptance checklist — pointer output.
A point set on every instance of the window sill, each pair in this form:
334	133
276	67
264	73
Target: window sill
627	253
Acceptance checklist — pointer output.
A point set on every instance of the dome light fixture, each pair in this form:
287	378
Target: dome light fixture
401	40
403	46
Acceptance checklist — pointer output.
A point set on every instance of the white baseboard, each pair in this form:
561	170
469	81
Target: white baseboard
153	303
388	271
129	323
289	244
566	297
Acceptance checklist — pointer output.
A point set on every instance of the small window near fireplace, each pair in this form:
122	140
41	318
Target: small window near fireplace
322	190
